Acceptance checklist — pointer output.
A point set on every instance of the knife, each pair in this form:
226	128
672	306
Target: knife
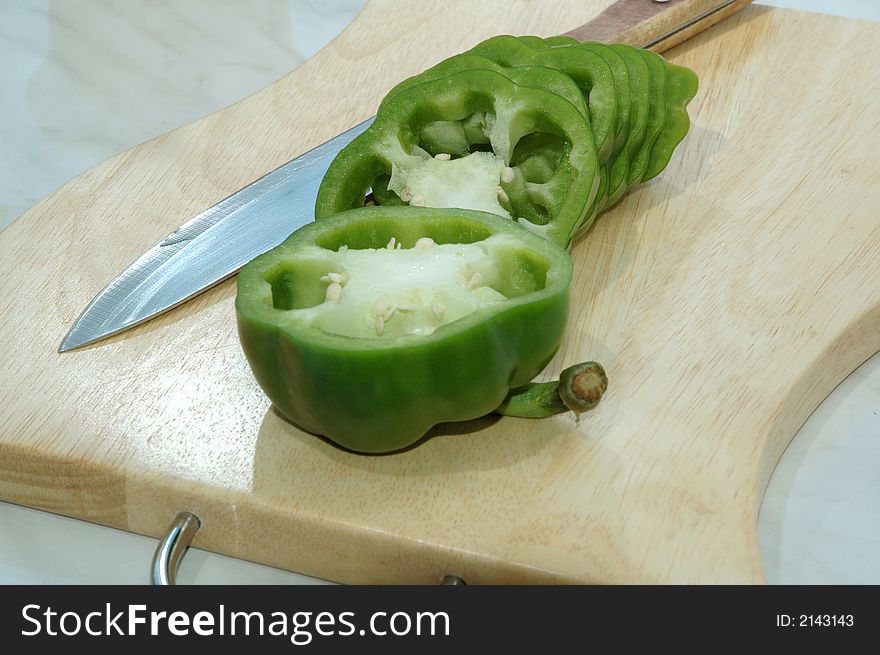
213	245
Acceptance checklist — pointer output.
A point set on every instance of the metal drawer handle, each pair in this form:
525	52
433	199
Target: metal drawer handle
452	580
166	559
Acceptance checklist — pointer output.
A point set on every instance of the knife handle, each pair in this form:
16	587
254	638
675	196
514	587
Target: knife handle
655	24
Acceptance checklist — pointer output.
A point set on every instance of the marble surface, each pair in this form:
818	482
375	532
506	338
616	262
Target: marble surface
84	79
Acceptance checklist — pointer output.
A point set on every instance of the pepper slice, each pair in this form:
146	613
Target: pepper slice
660	90
603	76
633	87
535	159
589	71
613	174
640	99
680	86
459	141
538	77
371	326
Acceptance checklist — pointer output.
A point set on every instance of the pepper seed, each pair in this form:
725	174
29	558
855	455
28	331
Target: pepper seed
334	291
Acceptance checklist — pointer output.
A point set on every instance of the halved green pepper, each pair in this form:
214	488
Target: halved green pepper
459	141
371	326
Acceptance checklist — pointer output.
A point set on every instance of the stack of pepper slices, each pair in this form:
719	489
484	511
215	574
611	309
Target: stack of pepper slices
442	300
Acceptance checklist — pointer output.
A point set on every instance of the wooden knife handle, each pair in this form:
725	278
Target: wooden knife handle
655	24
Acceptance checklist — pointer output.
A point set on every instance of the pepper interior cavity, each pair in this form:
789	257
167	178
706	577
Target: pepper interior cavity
401	289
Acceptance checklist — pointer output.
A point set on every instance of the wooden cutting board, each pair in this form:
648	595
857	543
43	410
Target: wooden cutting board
726	299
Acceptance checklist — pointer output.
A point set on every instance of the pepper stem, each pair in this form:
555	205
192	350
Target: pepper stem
579	388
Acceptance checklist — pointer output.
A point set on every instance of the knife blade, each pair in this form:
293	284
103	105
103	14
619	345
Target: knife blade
213	245
196	256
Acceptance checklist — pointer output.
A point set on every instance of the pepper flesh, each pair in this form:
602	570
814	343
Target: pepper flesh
383	391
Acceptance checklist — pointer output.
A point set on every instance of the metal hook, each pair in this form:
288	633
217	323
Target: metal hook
452	580
166	559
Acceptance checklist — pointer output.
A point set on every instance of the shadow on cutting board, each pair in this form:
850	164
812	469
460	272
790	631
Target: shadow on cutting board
485	443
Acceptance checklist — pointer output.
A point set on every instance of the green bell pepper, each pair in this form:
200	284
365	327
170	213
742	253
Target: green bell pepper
373	325
475	139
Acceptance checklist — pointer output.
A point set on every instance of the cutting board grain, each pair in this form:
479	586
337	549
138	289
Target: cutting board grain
726	299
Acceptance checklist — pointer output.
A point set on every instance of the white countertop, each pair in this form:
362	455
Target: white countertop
84	80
